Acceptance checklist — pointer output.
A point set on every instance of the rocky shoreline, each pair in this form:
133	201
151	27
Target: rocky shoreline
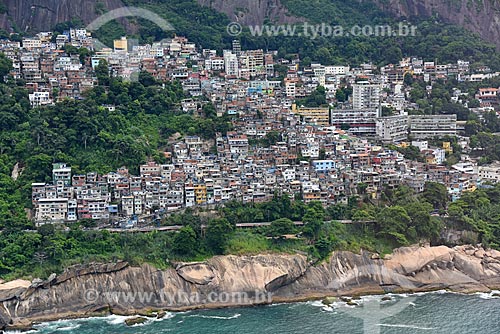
101	289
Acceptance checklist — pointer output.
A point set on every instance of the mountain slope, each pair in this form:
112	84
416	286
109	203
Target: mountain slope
252	12
479	16
38	15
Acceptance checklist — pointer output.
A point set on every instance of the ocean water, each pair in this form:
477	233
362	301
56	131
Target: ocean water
436	312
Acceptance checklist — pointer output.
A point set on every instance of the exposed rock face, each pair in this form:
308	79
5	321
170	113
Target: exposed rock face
92	289
481	17
82	270
196	273
252	12
40	15
85	290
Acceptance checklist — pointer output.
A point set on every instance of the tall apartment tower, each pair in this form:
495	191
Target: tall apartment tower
231	65
236	47
366	95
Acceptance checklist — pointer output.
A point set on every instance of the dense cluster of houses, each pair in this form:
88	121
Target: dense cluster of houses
317	154
228	79
310	163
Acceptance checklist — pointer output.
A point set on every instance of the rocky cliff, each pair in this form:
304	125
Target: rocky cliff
40	15
122	289
481	17
252	12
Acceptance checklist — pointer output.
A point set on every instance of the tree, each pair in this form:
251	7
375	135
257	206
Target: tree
436	194
5	66
337	211
340	95
492	122
316	99
88	223
40	257
361	188
393	224
408	79
322	154
185	243
313	220
70	49
83	54
425	225
472	128
209	110
393	54
401	195
323	246
474	103
147	79
411	152
272	137
323	55
102	72
217	234
281	226
361	216
387	111
345	126
417	91
46	230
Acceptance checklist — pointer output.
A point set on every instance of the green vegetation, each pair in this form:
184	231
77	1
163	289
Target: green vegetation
479	212
487	146
243	242
410	152
316	99
5	66
438	101
483	141
50	249
400	218
434	40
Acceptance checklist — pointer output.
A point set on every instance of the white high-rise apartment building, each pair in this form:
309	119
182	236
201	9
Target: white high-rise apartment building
230	63
366	95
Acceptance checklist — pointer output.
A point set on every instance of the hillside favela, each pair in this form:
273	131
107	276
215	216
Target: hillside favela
244	166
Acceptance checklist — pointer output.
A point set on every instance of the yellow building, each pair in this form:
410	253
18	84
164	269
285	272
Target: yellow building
200	193
318	116
120	44
447	147
431	160
311	196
